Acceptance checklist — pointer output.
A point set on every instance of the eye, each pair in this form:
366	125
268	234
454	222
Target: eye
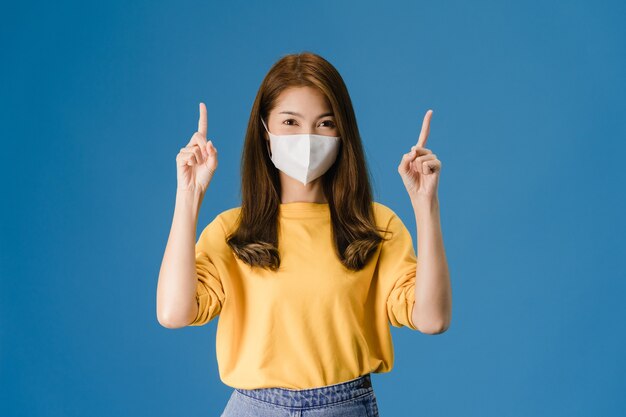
331	123
289	120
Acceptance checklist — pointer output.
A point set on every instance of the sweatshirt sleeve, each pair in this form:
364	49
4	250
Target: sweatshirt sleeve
397	263
209	290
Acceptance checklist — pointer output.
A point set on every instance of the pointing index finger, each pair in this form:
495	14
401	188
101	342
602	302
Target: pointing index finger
425	129
202	121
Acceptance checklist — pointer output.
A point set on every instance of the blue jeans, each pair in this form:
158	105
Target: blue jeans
354	398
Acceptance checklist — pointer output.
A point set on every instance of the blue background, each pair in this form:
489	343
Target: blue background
528	100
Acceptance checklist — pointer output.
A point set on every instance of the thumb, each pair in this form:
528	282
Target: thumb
405	163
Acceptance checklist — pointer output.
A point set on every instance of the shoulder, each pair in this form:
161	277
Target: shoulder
229	216
381	208
223	222
213	236
388	219
383	213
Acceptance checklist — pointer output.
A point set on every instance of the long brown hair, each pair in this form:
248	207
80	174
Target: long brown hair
346	184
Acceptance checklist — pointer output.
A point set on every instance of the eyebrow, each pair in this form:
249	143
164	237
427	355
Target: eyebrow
330	113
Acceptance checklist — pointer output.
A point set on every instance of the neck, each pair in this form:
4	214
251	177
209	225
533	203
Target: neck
293	190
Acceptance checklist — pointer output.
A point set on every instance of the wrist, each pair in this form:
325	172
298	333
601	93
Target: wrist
189	198
421	202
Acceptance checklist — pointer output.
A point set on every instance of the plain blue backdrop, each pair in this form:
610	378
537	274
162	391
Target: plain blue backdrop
528	100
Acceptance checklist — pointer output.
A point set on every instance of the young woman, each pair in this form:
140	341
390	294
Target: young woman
308	272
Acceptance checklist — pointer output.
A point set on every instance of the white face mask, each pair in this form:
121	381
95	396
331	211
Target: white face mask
303	157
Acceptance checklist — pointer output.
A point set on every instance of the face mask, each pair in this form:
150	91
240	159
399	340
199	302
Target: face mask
303	157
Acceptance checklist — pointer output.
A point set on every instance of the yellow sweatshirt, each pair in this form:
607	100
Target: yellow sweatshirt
313	322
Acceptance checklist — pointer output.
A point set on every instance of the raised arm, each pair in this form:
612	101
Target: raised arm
176	289
420	169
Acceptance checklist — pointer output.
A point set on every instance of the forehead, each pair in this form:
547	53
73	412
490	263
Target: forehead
302	99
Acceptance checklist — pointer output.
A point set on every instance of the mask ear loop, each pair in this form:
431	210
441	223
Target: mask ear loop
267	145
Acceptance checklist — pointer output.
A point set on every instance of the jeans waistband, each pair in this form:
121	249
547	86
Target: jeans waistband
311	397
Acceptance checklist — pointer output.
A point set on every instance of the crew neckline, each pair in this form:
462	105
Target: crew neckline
304	209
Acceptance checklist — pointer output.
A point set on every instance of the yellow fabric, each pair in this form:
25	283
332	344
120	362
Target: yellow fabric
313	322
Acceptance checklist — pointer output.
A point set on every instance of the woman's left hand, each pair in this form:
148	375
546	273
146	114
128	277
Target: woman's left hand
419	168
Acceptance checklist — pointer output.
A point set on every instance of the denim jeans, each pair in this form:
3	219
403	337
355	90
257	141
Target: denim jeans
354	398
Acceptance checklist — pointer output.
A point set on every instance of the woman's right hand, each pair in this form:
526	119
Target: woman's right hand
196	163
